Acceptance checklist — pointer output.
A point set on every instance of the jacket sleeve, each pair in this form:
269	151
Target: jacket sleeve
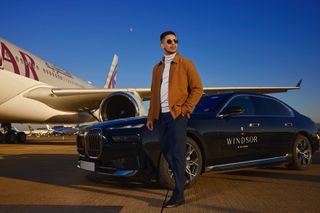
195	89
151	107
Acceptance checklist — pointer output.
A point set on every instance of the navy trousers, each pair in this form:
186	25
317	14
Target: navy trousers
173	136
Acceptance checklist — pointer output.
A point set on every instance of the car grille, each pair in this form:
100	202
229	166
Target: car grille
80	144
94	143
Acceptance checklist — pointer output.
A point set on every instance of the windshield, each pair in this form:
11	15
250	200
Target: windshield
209	103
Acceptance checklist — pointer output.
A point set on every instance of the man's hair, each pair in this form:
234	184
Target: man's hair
164	34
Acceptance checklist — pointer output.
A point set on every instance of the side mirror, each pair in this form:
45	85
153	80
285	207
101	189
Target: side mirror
232	111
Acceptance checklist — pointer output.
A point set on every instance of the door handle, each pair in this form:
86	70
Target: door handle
254	125
288	124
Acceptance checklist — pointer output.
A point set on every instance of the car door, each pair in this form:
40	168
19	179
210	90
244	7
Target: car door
208	126
240	134
278	126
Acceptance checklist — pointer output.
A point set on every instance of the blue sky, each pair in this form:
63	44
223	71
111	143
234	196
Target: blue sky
231	42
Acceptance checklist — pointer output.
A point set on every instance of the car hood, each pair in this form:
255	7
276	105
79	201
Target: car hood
133	121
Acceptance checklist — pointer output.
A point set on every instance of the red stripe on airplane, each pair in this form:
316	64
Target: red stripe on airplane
112	82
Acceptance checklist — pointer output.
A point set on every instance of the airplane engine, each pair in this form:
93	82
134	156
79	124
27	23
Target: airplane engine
120	105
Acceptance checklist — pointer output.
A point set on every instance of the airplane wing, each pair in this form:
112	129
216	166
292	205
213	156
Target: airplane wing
89	99
264	90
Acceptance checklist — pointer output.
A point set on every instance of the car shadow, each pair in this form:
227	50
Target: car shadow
61	170
59	208
277	171
260	173
280	171
48	142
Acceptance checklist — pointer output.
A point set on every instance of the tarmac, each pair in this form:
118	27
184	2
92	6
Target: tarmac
41	176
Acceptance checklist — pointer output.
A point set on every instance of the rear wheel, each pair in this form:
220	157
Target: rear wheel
10	137
193	166
21	137
301	153
2	137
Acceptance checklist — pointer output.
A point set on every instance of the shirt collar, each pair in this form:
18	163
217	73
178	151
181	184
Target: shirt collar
175	60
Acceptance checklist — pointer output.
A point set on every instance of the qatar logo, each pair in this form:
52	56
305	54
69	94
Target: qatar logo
29	64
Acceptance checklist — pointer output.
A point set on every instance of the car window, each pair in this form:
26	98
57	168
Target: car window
268	106
208	103
244	102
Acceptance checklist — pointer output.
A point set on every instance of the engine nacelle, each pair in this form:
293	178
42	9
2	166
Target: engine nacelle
121	105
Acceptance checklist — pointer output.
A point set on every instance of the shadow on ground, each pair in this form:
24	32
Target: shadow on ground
61	170
59	208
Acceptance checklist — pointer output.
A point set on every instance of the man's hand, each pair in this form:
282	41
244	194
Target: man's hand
150	125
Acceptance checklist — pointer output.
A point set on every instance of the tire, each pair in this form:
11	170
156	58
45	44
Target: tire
301	153
10	137
21	137
193	166
2	137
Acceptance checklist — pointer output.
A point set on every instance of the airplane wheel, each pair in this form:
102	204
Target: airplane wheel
2	137
21	137
11	137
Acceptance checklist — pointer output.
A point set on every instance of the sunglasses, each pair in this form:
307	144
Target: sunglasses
169	41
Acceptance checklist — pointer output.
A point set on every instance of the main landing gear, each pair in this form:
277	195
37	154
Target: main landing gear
11	135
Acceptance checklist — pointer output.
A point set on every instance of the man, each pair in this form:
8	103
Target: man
176	88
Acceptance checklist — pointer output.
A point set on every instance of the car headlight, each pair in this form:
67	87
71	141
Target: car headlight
82	133
127	126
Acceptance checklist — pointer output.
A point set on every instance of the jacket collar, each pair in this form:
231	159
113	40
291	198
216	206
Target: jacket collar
175	60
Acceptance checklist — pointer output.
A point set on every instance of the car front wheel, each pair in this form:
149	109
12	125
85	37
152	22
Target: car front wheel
193	166
301	153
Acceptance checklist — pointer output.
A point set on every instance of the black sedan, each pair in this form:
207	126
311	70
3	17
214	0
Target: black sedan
225	131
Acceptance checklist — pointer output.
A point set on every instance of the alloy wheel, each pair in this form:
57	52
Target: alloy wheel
192	164
303	152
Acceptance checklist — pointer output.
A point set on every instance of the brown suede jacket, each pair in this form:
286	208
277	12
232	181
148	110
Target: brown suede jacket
184	92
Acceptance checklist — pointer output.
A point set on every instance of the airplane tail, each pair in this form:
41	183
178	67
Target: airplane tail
49	127
111	79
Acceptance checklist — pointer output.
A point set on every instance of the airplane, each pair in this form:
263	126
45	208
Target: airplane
36	91
68	130
29	131
40	131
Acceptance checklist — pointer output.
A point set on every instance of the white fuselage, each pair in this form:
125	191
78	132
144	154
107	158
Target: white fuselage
20	72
